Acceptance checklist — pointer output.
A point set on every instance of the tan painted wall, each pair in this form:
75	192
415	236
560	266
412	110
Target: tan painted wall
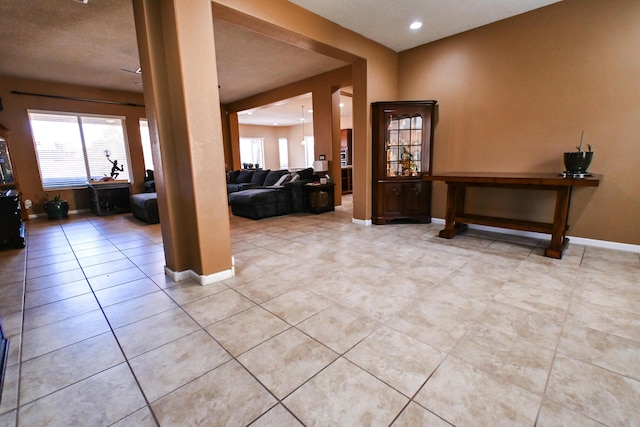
14	116
374	69
271	134
516	94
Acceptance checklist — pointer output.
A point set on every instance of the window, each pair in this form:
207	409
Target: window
309	151
146	144
283	150
252	151
71	148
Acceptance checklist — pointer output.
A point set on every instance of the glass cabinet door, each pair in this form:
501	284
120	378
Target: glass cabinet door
403	145
6	171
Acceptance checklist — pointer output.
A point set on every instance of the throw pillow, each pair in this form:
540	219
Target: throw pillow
244	176
233	177
283	179
259	175
272	178
306	173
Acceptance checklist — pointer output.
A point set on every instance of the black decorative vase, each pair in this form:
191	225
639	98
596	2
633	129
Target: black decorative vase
57	210
577	161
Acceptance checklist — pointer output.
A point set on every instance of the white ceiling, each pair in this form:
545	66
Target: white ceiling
66	41
387	22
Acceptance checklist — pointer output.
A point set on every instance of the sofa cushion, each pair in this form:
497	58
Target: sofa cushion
244	176
259	175
286	177
259	203
232	177
273	177
306	174
144	206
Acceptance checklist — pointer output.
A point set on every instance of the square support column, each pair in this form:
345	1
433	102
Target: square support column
177	56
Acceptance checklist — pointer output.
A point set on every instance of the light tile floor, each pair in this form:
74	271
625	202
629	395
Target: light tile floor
326	323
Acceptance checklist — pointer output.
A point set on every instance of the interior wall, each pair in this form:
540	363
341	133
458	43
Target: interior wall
374	69
23	155
515	95
270	134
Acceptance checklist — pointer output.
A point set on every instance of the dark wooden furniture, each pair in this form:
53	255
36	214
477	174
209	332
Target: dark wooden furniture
402	137
347	179
346	147
11	225
4	356
319	197
109	197
457	219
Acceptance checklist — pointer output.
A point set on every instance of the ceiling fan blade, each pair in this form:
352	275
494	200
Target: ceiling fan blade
138	71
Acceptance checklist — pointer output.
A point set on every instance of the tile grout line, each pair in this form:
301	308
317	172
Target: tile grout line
126	359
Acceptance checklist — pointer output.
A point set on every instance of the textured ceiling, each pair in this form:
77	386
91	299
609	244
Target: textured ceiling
66	41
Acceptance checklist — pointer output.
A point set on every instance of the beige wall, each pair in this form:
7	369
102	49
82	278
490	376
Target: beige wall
14	117
374	69
516	94
271	134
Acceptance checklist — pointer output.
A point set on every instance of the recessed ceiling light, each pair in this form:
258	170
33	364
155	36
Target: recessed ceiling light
415	25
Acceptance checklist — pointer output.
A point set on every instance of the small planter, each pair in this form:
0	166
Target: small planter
57	210
578	161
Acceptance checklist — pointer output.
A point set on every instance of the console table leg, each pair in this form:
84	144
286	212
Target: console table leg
455	206
560	224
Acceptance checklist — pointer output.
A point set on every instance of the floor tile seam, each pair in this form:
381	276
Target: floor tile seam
22	319
546	400
605	368
424	383
246	368
122	352
199	329
127	299
491	372
264	414
379	325
50	324
54	301
326	367
575	323
555	352
127	361
77	381
52	273
85	379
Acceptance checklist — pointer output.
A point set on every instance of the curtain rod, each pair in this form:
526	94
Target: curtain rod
128	104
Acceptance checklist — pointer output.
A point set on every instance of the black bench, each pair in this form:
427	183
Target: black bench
260	203
144	206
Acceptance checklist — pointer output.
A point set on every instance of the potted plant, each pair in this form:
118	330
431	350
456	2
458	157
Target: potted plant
577	162
56	208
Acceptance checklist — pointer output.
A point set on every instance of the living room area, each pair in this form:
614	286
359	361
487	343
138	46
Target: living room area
324	320
334	319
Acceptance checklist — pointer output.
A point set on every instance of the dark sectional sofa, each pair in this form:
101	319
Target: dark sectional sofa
259	193
254	194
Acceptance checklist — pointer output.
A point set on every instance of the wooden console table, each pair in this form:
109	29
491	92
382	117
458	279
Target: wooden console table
457	219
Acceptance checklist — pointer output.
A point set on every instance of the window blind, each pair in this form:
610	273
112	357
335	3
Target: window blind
71	148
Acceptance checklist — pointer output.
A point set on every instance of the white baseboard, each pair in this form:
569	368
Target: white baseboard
179	276
542	236
365	222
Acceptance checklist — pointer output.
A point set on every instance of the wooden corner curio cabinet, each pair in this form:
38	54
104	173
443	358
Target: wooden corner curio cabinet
402	136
